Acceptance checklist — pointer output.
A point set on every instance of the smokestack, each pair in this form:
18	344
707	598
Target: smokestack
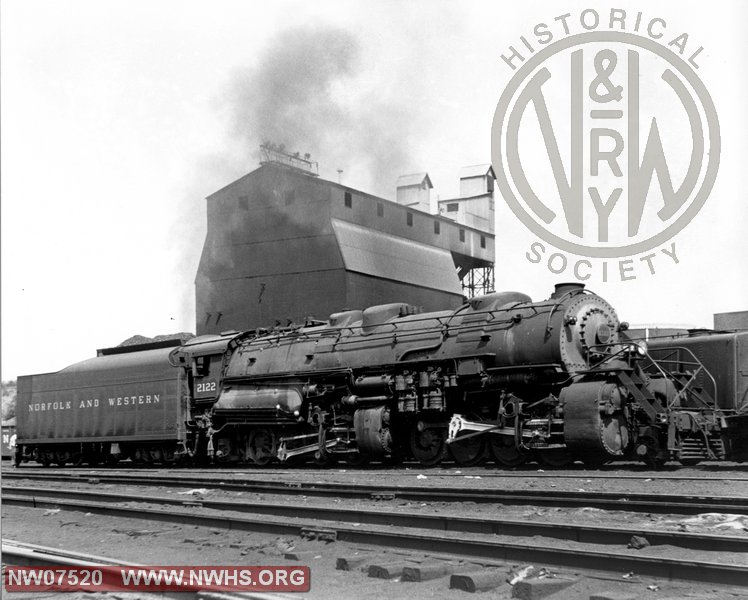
564	288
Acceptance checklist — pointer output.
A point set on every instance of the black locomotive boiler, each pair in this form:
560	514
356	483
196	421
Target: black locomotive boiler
555	380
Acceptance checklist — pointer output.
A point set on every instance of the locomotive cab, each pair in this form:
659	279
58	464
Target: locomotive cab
203	359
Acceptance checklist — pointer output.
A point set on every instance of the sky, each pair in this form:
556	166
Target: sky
119	118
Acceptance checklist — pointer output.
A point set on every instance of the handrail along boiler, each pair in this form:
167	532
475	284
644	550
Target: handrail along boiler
555	380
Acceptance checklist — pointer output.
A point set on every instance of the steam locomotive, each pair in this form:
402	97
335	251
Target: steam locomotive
501	376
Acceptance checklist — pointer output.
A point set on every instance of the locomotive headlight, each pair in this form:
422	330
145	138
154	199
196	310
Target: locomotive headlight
641	348
603	333
296	413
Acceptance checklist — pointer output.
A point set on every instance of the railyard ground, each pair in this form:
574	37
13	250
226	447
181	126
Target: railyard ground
154	543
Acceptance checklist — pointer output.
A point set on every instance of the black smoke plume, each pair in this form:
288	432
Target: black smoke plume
312	92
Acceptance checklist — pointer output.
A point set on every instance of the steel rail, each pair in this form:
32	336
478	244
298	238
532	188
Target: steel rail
33	555
451	543
632	502
25	554
458	472
590	534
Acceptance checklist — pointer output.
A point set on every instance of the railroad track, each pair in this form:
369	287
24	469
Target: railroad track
458	472
33	555
633	502
421	536
590	534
